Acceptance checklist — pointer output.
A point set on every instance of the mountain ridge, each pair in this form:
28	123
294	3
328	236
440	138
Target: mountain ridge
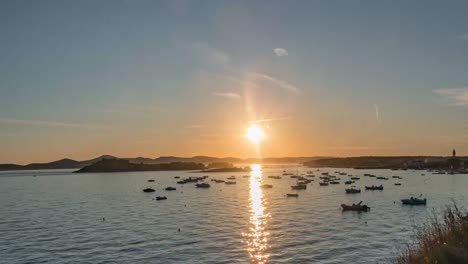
67	163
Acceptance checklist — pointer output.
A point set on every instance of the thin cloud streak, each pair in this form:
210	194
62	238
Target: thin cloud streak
269	120
377	114
282	84
280	52
48	123
227	95
463	37
455	96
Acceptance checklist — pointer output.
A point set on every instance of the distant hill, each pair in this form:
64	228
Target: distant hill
397	162
73	164
121	165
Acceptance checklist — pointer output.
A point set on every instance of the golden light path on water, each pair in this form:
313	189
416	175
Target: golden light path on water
257	237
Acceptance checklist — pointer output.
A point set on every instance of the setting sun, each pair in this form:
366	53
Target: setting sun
255	133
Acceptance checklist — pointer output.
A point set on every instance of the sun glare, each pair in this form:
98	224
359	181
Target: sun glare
255	133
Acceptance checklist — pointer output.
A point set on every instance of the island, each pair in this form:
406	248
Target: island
451	164
229	169
121	165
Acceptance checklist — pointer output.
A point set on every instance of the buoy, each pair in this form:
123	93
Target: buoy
178	230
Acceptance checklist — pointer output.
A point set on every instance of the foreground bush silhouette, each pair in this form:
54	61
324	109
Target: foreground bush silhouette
440	240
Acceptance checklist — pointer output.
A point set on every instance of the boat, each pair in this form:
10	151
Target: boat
299	187
202	185
181	182
231	178
150	180
274	177
334	182
355	207
159	198
348	182
292	195
397	183
219	181
170	189
353	190
355	178
147	190
177	177
266	186
323	183
375	187
396	177
230	182
246	176
382	178
414	201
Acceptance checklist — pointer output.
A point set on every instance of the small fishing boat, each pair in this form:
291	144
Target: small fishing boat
414	201
292	195
170	189
150	180
323	183
355	207
334	182
299	187
275	177
380	188
181	182
219	181
147	190
355	178
231	178
177	177
159	198
397	184
266	186
230	182
348	182
353	190
202	185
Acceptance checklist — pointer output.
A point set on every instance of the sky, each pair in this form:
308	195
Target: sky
79	79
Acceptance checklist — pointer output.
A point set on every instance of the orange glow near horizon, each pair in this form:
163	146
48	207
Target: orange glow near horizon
257	237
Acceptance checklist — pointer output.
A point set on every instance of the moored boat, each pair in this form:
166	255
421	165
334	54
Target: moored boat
159	198
353	190
380	188
202	185
414	201
149	190
292	195
355	207
170	189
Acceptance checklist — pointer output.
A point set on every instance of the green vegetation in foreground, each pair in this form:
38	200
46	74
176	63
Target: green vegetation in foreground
442	241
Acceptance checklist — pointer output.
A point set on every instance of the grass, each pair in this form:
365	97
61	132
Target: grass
440	240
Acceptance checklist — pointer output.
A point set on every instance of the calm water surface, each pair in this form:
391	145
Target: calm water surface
57	217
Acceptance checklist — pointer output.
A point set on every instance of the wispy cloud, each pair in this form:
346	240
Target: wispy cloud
48	123
280	52
454	96
209	53
282	84
270	119
227	95
463	37
377	114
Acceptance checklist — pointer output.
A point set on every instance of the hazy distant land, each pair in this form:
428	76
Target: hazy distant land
73	164
213	164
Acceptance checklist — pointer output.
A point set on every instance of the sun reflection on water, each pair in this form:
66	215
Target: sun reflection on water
257	237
